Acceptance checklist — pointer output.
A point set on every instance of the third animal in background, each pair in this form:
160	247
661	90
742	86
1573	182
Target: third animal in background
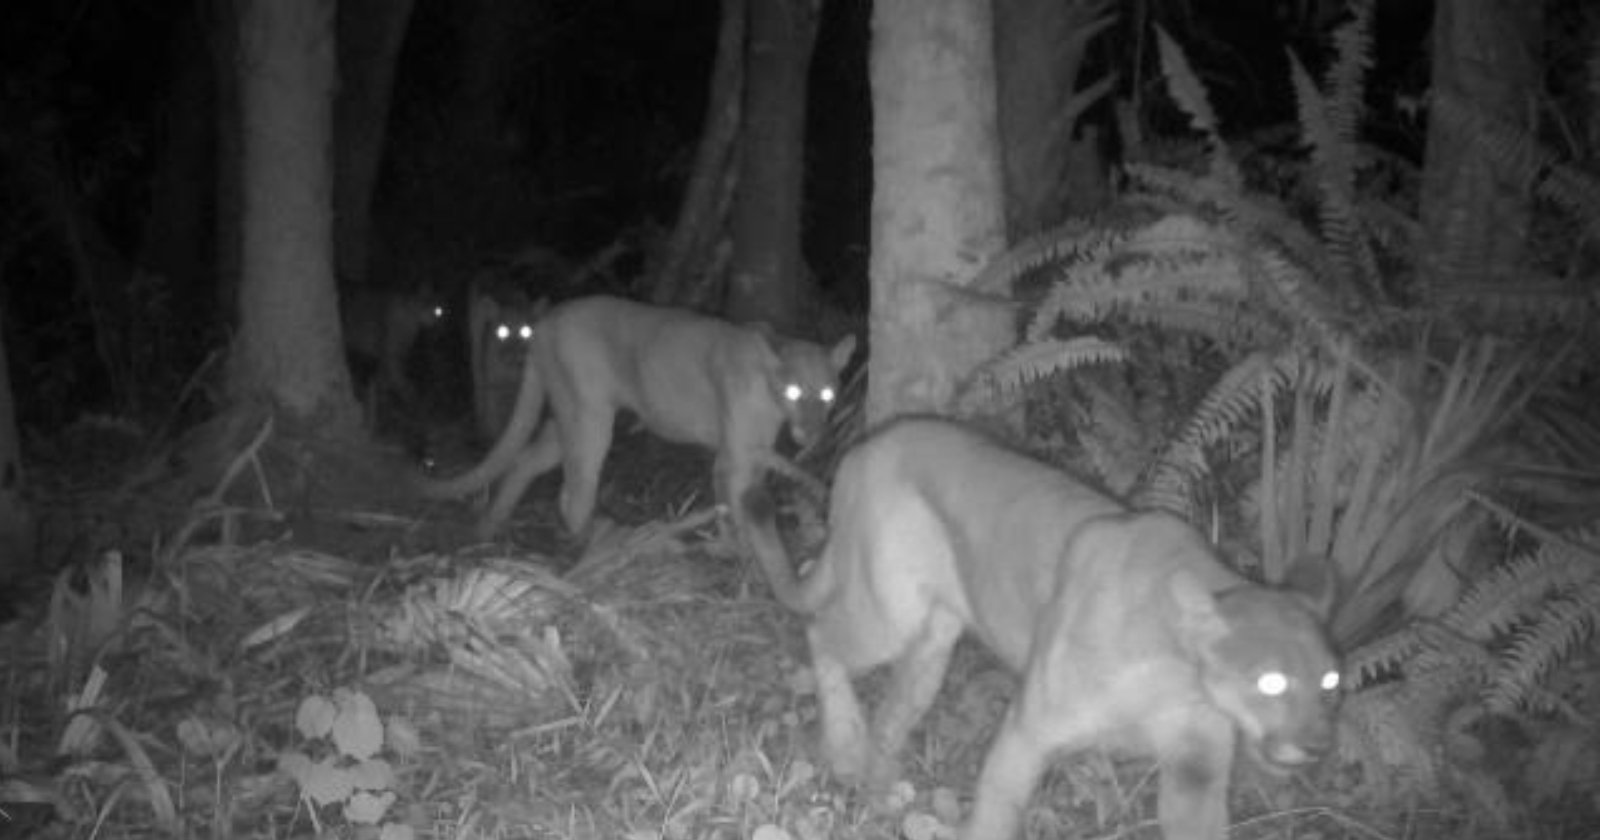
381	327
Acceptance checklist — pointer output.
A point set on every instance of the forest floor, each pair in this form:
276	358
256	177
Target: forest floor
346	668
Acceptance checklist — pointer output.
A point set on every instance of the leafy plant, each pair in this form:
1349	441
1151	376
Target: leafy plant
1328	405
341	764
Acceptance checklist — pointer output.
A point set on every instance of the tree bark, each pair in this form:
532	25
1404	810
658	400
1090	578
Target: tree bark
16	520
289	351
937	203
1475	217
768	276
687	273
370	34
1040	46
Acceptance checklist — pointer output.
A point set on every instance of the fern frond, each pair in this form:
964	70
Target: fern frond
1560	627
1228	405
1501	599
1347	73
1286	253
1178	274
1074	241
1334	160
1190	95
1381	656
1016	369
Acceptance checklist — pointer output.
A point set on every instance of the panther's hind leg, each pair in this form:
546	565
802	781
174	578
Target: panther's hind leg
585	439
532	461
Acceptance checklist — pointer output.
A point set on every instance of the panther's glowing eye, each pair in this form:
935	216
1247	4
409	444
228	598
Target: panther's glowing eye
793	392
438	313
826	395
1330	681
1272	683
502	332
525	332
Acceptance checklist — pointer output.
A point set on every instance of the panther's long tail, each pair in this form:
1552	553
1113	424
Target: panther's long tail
524	421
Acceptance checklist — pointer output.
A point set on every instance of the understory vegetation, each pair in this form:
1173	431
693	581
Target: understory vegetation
1279	365
1253	343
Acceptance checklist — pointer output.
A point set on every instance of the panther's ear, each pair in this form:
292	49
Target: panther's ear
1197	617
840	355
774	341
1312	579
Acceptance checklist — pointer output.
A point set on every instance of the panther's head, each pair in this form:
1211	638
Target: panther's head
1267	663
805	383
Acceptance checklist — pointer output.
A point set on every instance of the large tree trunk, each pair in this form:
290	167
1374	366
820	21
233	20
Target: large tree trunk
937	201
370	33
288	353
768	277
16	521
689	269
1050	174
1475	217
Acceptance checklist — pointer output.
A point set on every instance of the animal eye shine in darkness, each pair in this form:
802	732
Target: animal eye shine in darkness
1272	683
793	392
826	394
1330	681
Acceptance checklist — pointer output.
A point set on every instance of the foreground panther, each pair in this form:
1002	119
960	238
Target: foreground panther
1127	630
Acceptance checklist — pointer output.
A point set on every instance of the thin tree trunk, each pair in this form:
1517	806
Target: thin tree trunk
289	351
370	34
688	272
768	272
1475	218
16	520
937	203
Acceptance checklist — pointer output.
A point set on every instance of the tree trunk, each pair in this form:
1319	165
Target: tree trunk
288	352
1040	46
370	33
16	521
767	282
1475	218
937	202
688	270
